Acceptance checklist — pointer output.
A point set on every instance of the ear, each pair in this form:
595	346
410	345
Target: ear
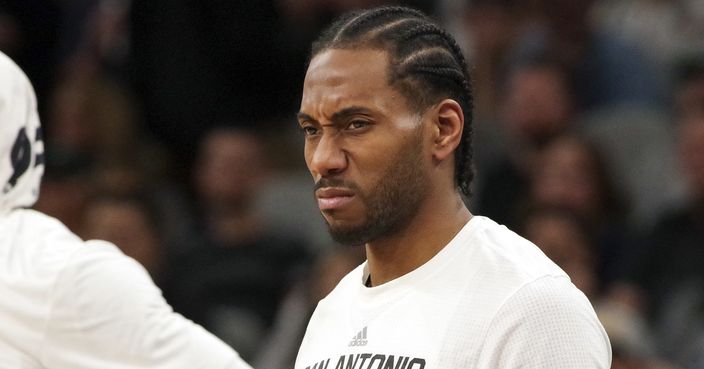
448	125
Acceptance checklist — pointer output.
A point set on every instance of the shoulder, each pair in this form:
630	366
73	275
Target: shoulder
497	249
494	267
33	227
547	297
548	323
102	275
42	245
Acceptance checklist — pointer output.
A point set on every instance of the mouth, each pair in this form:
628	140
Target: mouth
331	198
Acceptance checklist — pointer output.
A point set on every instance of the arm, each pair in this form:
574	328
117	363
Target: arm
547	324
107	313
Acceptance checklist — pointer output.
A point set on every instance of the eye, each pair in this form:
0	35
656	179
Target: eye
358	124
309	130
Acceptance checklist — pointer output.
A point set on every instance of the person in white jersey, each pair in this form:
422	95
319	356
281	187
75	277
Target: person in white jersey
70	304
386	115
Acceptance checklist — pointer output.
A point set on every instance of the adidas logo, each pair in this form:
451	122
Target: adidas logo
360	339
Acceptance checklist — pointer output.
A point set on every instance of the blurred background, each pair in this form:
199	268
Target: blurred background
170	131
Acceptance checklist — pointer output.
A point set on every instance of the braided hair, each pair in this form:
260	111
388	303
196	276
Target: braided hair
426	64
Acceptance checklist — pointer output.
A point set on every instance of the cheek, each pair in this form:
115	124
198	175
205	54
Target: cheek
308	150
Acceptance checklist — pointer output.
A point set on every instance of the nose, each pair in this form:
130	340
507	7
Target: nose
326	156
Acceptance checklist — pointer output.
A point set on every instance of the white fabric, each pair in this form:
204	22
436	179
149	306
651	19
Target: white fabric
488	300
69	304
20	144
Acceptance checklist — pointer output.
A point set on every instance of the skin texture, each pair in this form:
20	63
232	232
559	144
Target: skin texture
384	172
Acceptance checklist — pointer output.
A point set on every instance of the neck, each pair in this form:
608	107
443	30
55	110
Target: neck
435	224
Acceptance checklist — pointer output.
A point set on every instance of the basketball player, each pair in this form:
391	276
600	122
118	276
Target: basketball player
70	304
386	115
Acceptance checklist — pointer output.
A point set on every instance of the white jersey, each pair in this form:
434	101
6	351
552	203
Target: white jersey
69	304
488	300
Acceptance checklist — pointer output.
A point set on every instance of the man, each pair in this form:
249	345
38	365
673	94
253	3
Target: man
65	303
383	112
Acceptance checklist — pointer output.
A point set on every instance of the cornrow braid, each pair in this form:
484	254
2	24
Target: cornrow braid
362	18
426	64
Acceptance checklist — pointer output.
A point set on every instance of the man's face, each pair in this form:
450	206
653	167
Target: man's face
363	146
538	104
229	169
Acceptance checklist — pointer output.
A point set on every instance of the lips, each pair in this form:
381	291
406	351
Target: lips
330	198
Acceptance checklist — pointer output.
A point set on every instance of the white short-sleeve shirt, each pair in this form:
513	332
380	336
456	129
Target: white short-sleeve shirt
488	300
69	304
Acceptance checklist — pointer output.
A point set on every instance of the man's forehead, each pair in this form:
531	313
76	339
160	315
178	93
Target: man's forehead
338	78
338	65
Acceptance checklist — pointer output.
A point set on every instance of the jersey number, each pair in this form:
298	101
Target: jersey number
20	157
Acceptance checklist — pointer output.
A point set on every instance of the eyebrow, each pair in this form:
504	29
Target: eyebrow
338	115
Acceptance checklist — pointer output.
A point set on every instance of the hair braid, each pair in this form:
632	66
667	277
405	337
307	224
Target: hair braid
358	24
422	30
464	168
440	72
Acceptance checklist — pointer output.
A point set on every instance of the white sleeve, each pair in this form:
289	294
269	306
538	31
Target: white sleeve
547	324
107	313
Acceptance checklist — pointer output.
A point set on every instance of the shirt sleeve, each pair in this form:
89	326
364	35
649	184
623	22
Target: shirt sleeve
107	313
547	324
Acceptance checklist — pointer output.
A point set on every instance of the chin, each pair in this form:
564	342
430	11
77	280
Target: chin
348	234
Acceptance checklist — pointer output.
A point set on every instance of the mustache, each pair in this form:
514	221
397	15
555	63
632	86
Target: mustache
334	182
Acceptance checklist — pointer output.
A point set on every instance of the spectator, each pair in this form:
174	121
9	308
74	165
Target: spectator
566	242
537	108
606	71
492	28
237	272
670	270
666	31
66	188
571	175
668	275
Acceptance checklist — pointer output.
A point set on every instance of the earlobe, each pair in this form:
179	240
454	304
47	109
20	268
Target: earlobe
449	122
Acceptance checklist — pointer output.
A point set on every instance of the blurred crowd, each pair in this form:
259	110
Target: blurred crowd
170	131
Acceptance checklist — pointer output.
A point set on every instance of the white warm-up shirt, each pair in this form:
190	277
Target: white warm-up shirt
488	300
69	304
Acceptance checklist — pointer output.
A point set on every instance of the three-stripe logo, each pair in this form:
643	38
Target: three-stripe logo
360	339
